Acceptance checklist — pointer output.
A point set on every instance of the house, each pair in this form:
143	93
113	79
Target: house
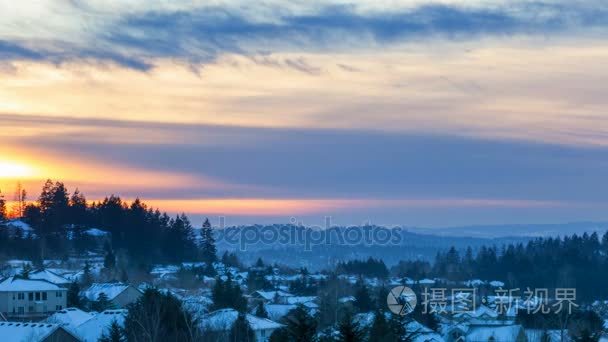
217	325
268	296
297	299
35	332
49	276
277	311
70	317
22	298
120	294
92	329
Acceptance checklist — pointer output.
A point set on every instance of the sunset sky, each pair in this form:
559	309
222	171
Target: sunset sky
399	112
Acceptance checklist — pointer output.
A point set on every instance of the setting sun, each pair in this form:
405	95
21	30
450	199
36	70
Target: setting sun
9	169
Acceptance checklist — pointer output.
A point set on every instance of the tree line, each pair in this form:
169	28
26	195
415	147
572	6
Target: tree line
145	234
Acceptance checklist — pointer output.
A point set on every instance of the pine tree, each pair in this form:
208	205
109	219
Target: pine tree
157	316
241	330
26	270
380	330
124	276
349	330
87	277
260	311
73	296
363	300
115	334
102	303
3	213
208	249
300	325
228	294
109	261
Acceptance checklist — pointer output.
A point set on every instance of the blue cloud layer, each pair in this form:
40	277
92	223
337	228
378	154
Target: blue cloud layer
201	34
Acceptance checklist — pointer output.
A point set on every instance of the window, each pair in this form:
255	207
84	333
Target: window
20	310
58	294
37	295
21	296
44	296
30	309
58	307
263	333
13	296
30	296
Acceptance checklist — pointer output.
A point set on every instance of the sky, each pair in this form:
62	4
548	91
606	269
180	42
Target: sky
426	113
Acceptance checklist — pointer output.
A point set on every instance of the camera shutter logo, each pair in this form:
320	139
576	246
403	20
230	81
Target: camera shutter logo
401	300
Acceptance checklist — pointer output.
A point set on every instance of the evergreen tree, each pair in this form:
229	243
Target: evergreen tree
349	330
3	213
241	330
25	271
73	296
109	261
380	330
158	317
78	209
102	303
208	249
87	277
115	334
124	276
363	300
260	311
228	294
300	326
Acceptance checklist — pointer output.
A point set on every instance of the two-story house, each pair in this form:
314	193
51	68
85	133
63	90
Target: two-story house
22	298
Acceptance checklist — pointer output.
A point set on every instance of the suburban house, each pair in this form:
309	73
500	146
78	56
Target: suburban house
22	298
120	294
217	325
92	329
269	297
35	332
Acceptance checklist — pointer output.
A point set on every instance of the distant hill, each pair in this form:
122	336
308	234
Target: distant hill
516	230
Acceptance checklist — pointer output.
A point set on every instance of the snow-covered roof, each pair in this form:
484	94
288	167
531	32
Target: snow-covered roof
299	299
31	332
96	232
15	283
269	295
496	283
346	299
223	319
110	289
506	333
482	312
20	225
72	317
92	329
49	276
277	311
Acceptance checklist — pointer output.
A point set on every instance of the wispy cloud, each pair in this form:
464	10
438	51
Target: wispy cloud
198	34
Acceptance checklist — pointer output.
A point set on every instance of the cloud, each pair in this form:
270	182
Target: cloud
199	34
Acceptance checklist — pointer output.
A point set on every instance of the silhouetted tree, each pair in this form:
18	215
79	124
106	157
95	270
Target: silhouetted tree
157	317
73	295
260	311
241	330
208	249
115	334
